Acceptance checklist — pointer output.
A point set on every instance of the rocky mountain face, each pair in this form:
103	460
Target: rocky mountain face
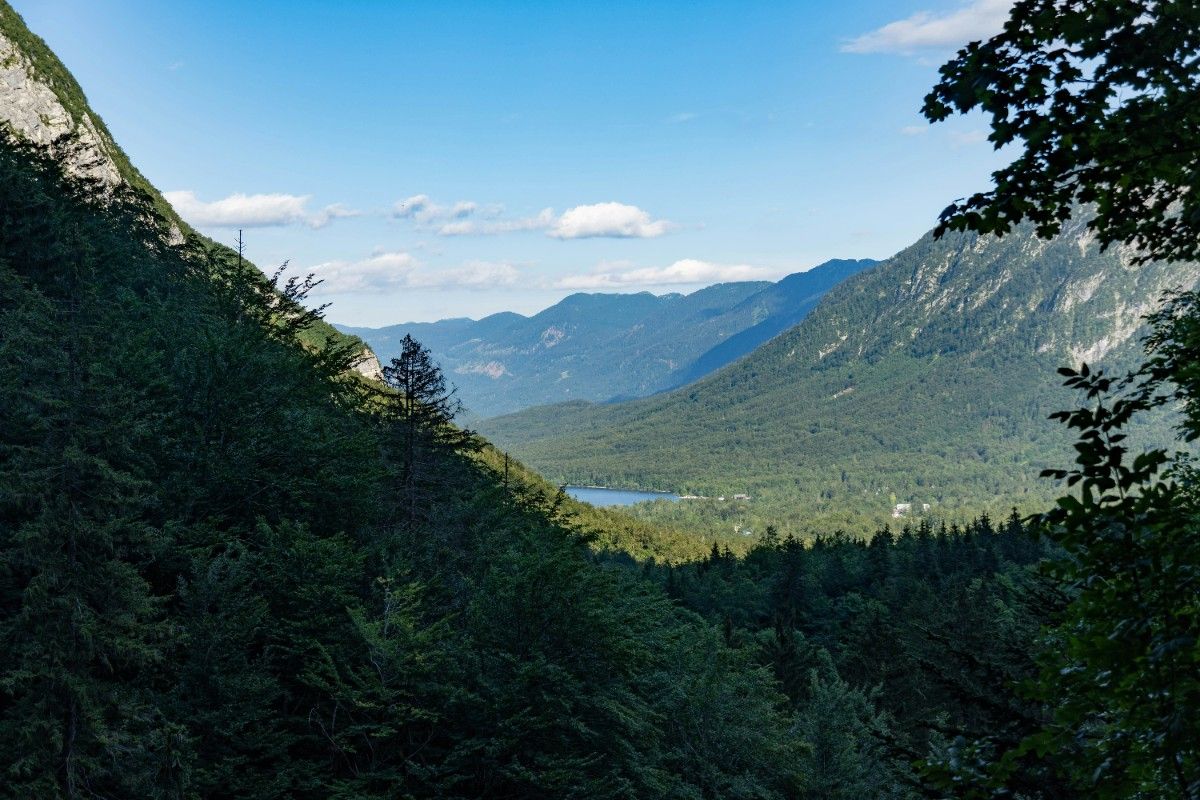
42	104
608	347
927	378
30	107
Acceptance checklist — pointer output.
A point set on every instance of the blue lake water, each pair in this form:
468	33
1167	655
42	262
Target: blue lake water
615	497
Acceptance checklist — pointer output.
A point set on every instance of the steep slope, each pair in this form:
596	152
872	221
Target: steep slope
606	347
42	104
927	379
222	574
221	580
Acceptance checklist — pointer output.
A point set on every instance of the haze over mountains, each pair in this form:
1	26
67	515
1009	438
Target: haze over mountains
606	347
928	379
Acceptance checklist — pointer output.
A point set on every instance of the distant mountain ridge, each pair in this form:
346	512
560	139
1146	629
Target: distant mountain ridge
927	378
606	347
781	306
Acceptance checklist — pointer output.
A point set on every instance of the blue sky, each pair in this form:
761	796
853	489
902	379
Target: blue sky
437	159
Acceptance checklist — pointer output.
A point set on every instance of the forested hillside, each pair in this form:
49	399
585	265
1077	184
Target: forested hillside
890	651
605	347
230	569
213	585
922	380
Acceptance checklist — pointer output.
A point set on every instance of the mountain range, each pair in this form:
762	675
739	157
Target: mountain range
927	379
609	347
832	394
231	568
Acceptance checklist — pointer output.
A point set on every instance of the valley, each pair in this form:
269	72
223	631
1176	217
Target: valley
922	379
922	528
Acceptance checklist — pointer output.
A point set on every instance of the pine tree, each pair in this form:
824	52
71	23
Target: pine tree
420	413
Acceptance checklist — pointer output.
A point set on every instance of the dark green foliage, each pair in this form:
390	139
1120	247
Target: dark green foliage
888	651
82	622
1101	97
847	756
1119	678
209	590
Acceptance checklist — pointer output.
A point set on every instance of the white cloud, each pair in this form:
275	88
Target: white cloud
467	218
615	220
392	271
684	271
254	210
420	208
979	19
914	130
473	227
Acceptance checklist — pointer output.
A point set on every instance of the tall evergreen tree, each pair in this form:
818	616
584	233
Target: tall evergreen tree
420	412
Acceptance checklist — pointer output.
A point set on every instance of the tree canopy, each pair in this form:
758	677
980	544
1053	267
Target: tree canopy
1102	100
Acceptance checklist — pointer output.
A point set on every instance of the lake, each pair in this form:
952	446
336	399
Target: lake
599	496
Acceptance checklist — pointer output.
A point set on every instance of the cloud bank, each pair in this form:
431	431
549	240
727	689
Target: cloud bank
980	19
390	271
254	210
468	218
684	271
462	218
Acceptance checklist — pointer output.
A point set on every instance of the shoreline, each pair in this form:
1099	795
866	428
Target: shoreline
566	486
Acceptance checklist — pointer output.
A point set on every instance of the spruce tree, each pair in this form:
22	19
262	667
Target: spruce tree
420	414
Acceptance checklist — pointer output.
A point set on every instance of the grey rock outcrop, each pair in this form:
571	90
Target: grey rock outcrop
31	109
